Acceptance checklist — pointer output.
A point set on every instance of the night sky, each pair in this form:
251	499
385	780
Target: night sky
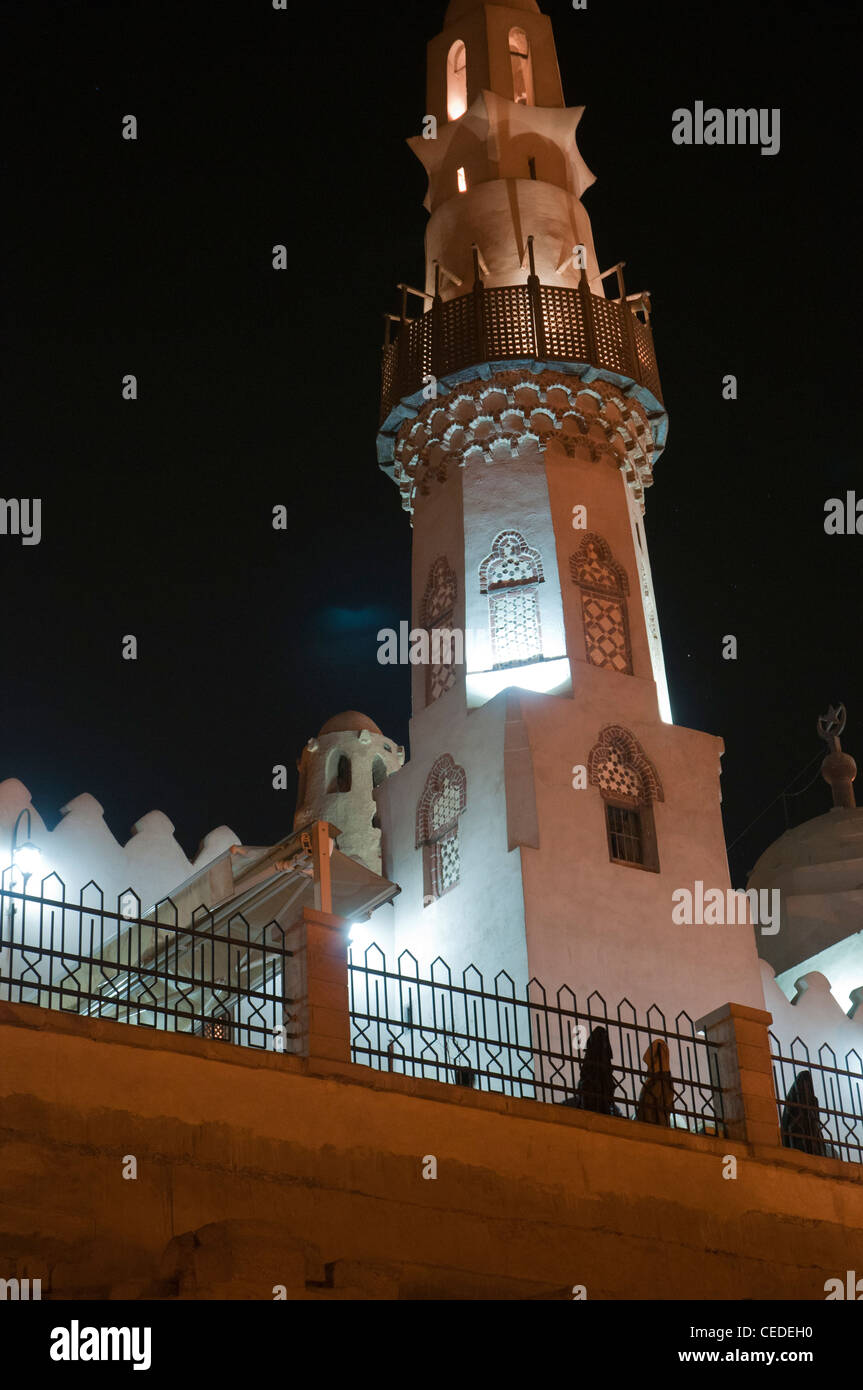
259	388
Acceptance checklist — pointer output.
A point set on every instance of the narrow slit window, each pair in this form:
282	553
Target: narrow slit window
522	68
343	774
456	81
462	181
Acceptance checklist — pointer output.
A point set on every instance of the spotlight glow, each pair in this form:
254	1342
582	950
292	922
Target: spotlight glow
27	860
542	676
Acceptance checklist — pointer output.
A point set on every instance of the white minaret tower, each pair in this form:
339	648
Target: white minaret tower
550	808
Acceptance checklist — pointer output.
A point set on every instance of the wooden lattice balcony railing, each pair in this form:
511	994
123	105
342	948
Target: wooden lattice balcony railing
516	322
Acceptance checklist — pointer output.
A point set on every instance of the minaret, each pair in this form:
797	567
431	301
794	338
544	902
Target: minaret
519	322
521	419
339	773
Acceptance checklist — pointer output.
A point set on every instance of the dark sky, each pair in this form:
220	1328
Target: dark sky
257	388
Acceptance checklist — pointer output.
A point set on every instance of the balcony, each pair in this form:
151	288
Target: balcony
514	323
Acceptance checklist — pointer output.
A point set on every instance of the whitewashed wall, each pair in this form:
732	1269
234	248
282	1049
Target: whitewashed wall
82	847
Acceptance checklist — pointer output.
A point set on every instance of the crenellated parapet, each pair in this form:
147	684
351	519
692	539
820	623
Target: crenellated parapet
81	849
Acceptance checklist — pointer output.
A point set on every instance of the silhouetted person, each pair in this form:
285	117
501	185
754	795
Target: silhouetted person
595	1089
656	1100
801	1123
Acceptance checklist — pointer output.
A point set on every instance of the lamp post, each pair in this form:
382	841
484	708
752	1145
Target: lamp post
26	859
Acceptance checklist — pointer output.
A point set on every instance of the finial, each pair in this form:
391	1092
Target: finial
838	768
831	726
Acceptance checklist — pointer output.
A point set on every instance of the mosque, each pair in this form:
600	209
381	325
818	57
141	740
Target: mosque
546	821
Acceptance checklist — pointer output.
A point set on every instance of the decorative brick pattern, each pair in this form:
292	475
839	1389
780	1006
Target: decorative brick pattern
446	867
618	765
616	778
440	594
438	611
605	633
604	586
443	800
510	561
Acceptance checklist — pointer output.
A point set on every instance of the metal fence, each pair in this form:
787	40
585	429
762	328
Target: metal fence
532	1046
217	976
221	977
820	1101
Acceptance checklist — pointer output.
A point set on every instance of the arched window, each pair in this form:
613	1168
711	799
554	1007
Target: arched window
629	784
510	575
379	772
456	81
442	802
437	617
604	588
340	774
522	67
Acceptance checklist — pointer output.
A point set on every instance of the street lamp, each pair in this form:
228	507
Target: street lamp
26	857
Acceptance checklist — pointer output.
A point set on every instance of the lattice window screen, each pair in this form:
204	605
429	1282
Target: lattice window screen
515	629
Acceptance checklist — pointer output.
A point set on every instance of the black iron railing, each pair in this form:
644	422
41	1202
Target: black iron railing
529	1046
545	323
220	977
216	976
820	1101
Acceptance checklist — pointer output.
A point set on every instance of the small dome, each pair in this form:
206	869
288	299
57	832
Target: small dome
459	8
831	838
816	868
350	721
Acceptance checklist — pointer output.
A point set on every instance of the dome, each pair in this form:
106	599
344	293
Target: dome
349	721
457	9
818	869
831	838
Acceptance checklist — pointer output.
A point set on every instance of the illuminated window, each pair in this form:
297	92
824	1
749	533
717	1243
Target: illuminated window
456	81
522	68
510	576
442	802
219	1028
462	181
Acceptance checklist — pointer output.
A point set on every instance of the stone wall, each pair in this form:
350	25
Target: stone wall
259	1172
